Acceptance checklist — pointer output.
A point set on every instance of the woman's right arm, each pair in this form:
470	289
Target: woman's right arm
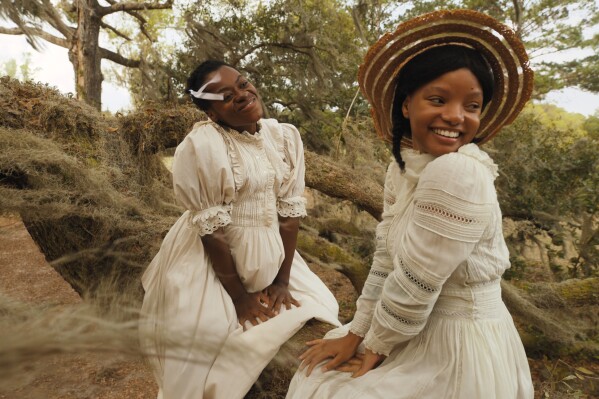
247	306
382	264
342	349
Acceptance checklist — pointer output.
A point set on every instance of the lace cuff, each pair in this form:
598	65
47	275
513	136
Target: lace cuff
377	346
361	324
209	220
292	207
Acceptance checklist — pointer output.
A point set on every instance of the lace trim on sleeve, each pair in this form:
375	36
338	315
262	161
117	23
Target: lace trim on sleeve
376	345
389	197
421	284
378	274
403	320
406	323
371	292
416	280
292	207
449	216
360	324
209	220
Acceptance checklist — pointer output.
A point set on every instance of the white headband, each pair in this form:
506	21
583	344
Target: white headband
208	96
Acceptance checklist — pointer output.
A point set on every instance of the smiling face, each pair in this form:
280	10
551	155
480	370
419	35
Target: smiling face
240	108
444	114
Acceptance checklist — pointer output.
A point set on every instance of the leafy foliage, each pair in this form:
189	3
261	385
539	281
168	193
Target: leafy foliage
303	55
550	174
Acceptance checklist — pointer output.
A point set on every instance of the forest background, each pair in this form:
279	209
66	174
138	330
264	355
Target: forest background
93	190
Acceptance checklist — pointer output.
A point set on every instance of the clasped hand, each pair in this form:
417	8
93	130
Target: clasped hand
279	295
343	354
260	306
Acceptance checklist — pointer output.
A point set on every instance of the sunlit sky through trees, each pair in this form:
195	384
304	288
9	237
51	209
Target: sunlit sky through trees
51	65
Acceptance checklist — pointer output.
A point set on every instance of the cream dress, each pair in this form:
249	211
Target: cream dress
240	182
432	301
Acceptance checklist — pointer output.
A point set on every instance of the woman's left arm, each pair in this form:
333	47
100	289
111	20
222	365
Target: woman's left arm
291	205
278	291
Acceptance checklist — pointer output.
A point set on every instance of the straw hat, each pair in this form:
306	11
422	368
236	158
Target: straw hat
498	44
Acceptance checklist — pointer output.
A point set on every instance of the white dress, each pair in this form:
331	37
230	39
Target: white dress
432	301
239	182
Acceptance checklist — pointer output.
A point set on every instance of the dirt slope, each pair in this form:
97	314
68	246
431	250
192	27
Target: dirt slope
26	276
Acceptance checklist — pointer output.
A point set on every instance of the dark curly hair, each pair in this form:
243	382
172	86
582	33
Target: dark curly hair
426	67
198	78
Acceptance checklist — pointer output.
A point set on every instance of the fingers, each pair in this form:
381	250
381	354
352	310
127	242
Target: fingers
279	296
280	299
313	348
354	361
264	313
314	362
312	359
289	300
255	313
264	298
361	371
262	317
337	360
351	366
316	355
369	362
348	368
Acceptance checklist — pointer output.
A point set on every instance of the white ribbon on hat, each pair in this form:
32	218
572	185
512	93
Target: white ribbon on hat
208	96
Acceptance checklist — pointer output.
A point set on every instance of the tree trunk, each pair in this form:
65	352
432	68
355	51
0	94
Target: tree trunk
84	54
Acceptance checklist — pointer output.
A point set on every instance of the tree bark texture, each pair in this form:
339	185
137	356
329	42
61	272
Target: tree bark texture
341	182
84	54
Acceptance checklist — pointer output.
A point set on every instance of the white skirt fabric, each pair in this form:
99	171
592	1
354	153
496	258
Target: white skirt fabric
458	355
189	326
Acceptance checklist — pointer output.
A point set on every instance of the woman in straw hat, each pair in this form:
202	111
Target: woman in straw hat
227	287
430	322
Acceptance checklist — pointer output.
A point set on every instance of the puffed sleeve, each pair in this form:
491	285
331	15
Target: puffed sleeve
382	264
291	201
452	209
203	179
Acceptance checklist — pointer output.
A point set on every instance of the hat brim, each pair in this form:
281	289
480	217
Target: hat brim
499	45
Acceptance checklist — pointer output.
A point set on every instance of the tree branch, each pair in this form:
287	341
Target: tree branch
115	30
290	46
289	105
140	18
37	33
341	182
119	59
55	20
126	7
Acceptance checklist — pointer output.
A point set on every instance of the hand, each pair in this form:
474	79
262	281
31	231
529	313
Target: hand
252	307
278	294
352	365
369	361
339	349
